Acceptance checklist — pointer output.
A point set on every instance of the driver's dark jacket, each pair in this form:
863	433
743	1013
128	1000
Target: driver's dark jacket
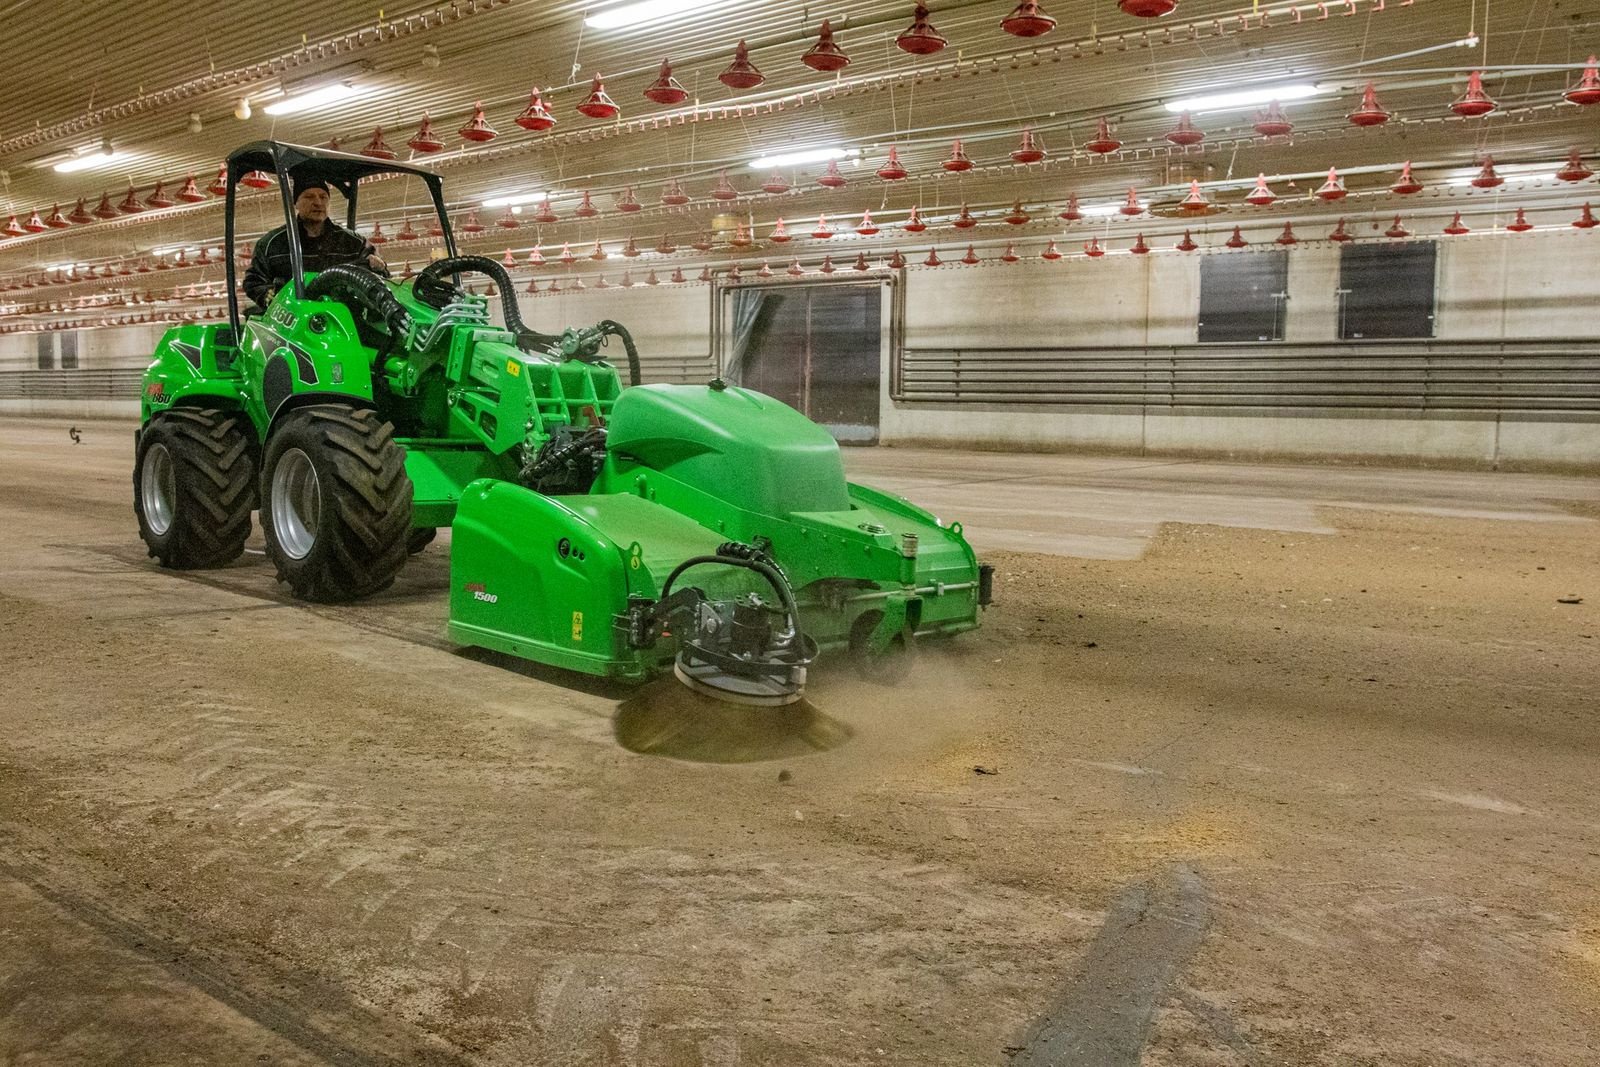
269	263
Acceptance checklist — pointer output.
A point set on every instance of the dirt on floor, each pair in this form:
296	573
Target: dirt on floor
1254	799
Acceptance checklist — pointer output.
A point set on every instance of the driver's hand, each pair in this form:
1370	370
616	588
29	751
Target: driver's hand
376	263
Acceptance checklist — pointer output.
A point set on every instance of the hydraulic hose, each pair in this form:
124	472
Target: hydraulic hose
613	328
367	289
431	288
751	561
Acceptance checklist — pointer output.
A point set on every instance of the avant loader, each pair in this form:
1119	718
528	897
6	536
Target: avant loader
618	531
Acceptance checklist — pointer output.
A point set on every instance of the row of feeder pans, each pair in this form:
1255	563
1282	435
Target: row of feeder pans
1270	122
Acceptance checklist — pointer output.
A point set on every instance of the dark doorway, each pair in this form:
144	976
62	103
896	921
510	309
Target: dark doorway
1387	290
1241	297
817	348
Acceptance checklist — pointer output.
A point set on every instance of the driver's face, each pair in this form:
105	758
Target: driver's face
312	205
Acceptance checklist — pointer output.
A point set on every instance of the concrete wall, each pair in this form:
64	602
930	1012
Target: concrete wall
1489	287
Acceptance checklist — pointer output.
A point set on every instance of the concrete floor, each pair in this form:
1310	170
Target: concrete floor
1250	765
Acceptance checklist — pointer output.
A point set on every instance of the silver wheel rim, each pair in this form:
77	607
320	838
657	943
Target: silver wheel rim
158	489
296	503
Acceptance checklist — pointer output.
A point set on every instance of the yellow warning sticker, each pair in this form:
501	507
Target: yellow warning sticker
577	626
513	368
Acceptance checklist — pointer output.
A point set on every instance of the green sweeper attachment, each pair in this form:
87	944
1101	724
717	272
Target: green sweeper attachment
705	530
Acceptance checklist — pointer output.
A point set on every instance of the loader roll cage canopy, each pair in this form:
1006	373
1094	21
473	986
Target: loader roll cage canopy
340	170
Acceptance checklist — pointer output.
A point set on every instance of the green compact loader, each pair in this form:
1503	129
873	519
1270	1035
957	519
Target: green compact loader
620	532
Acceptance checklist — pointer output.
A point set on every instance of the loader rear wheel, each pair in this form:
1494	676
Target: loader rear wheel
194	487
889	667
335	503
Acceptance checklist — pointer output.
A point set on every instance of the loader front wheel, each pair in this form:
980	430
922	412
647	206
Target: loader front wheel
335	503
194	487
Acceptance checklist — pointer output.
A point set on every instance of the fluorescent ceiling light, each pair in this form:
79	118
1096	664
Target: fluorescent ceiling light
508	201
328	94
637	13
91	160
1242	98
809	155
1094	211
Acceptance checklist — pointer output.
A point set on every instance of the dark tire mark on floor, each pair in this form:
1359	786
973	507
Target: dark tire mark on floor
1104	1019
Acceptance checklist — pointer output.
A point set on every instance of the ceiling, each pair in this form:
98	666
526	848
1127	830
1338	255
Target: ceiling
163	89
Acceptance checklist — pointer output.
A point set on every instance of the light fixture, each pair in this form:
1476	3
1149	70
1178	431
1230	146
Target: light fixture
1243	98
241	109
513	200
195	125
91	161
635	14
319	97
800	158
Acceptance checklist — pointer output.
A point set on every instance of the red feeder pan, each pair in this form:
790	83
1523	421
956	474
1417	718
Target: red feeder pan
920	39
12	228
933	259
478	129
1333	188
376	148
1370	113
57	221
566	254
795	269
740	238
554	286
1147	9
1026	20
1139	247
673	195
1130	206
190	193
545	214
971	258
1273	122
964	221
218	187
958	160
723	190
1072	212
435	228
535	258
507	221
1520	224
627	277
665	89
823	230
1261	195
103	210
831	178
1587	91
1456	227
704	275
377	236
1487	178
256	179
1406	185
677	275
1287	237
896	260
425	140
1017	216
866	227
1474	101
892	171
1196	200
631	250
1237	240
775	183
741	73
1586	221
1187	244
599	105
825	55
702	243
472	225
130	204
599	253
779	234
80	214
1575	170
665	247
508	261
860	263
1397	230
1093	249
1010	254
914	223
1051	252
1184	133
1103	143
628	202
1027	151
765	271
586	208
536	116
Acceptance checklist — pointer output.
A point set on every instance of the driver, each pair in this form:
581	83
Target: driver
323	244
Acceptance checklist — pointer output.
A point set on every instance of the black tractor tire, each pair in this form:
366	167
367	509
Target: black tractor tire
421	537
335	503
201	468
890	667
